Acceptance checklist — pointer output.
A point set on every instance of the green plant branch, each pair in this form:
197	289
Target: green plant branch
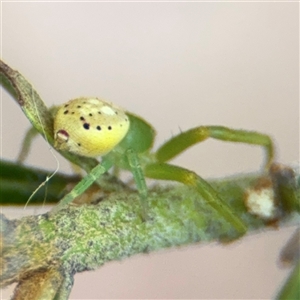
81	238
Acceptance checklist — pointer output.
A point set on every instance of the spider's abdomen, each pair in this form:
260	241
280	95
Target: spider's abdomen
89	126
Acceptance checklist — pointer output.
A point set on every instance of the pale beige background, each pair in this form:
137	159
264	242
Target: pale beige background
178	65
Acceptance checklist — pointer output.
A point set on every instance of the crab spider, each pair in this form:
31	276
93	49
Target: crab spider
93	127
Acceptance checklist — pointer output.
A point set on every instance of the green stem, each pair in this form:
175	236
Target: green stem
85	237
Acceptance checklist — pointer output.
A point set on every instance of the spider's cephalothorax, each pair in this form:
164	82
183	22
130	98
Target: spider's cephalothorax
89	126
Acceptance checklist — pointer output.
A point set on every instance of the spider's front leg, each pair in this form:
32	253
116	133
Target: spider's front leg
184	140
84	184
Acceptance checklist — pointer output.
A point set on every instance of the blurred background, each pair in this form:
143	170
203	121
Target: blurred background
179	65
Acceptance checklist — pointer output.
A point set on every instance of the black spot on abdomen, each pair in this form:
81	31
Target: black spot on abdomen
86	126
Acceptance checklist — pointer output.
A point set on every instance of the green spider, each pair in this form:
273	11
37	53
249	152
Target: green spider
92	127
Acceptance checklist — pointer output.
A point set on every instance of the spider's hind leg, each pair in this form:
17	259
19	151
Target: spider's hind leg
166	171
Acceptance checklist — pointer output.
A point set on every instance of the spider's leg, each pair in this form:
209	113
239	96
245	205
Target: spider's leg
26	144
166	171
30	135
186	139
139	179
85	183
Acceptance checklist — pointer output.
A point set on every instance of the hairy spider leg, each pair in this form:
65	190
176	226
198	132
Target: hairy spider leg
30	135
27	142
166	171
139	179
186	139
84	184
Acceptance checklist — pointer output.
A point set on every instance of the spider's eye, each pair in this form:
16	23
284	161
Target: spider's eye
62	135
